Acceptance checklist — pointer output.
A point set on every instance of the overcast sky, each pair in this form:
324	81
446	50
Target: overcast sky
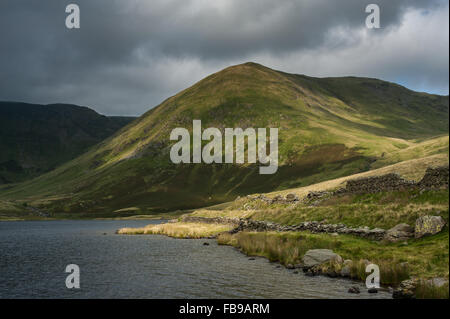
128	56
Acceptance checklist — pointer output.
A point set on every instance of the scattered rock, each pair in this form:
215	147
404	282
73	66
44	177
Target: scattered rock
372	291
332	273
295	272
277	198
365	262
290	266
314	257
399	232
428	225
315	198
317	195
346	271
251	258
334	234
353	290
205	244
406	289
348	262
291	198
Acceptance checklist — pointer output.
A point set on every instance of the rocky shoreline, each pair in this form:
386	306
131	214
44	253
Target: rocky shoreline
317	261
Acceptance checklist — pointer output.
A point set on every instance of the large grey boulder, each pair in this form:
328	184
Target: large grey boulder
428	225
314	257
400	232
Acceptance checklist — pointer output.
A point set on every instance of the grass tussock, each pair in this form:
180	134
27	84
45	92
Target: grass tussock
286	248
426	258
426	290
178	230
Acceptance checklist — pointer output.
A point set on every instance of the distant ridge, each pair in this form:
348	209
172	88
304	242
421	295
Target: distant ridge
36	138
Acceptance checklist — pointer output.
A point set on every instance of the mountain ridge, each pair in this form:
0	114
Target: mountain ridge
323	135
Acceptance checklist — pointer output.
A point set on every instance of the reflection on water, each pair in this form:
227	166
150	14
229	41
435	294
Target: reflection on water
33	257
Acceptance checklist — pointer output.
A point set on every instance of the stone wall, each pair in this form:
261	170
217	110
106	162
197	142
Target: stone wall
375	184
207	220
433	178
313	226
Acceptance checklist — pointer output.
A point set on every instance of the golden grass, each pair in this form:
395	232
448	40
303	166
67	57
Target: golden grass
229	213
179	230
438	145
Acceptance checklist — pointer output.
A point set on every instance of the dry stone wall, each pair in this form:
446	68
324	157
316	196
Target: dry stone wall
375	184
433	178
243	224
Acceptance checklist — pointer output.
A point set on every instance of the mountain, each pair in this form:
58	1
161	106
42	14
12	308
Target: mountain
328	128
37	138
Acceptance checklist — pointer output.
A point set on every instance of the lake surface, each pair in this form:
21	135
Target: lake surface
34	255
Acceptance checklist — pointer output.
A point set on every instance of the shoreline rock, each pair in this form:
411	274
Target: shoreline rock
316	257
400	232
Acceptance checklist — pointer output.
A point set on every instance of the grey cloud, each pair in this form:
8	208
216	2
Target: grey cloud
130	55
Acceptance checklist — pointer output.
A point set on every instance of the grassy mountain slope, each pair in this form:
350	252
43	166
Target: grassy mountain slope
37	138
328	128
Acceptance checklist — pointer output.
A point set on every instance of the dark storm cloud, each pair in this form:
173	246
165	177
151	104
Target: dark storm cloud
130	55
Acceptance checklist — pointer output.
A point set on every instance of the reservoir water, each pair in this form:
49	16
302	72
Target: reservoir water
34	255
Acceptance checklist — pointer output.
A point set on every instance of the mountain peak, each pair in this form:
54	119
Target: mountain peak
247	66
253	64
